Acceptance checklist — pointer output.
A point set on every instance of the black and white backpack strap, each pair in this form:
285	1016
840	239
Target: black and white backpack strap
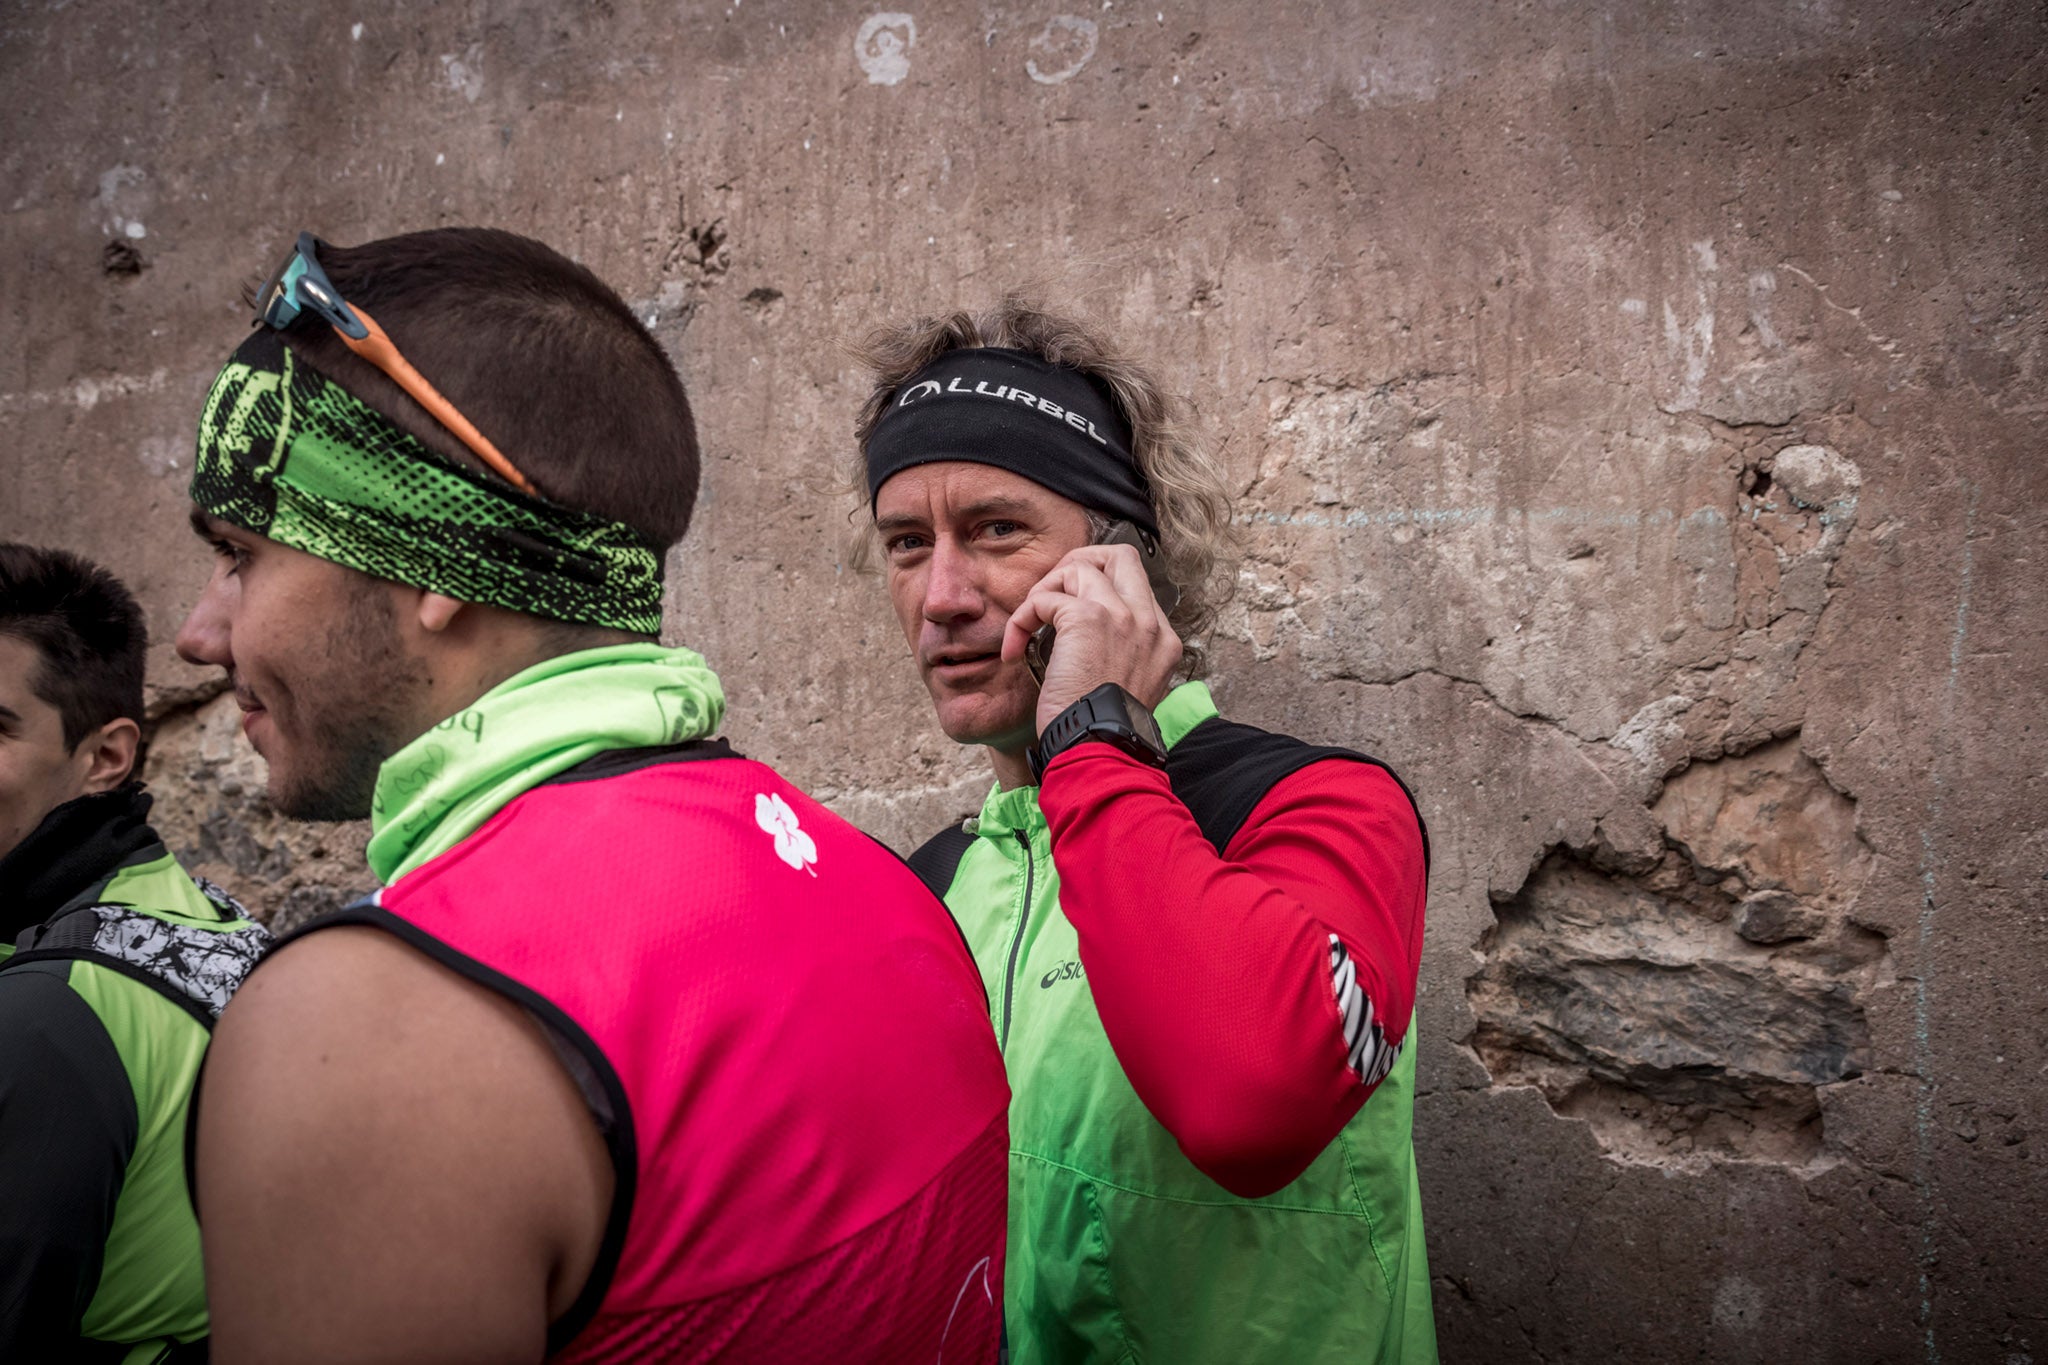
206	966
199	969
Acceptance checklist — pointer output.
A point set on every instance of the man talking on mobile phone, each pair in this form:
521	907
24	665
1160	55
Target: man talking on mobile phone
1200	939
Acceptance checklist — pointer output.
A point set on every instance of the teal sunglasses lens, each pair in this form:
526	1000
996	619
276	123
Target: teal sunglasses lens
281	297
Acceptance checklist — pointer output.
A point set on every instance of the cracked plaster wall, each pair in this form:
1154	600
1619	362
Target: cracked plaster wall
1637	415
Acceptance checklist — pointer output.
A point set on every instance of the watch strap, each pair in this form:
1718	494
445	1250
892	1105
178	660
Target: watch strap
1108	714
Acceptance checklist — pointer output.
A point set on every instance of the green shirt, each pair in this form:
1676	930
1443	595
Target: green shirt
1120	1249
104	1020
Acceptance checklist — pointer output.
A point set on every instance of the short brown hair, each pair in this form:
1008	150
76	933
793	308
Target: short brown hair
86	629
1189	497
546	360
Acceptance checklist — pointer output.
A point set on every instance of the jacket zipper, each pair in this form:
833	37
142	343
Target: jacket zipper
1010	972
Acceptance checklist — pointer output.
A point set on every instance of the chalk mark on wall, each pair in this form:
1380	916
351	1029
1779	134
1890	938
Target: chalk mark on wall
1924	964
464	73
1693	342
85	394
125	195
882	46
1361	517
1068	43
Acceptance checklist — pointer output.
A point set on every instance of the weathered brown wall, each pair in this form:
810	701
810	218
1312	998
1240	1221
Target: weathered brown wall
1638	411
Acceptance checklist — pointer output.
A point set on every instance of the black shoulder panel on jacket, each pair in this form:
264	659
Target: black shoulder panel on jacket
938	858
1221	770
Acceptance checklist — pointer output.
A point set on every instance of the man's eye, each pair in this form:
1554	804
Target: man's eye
907	543
1000	529
236	555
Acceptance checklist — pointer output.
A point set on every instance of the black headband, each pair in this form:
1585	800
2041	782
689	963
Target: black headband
1048	423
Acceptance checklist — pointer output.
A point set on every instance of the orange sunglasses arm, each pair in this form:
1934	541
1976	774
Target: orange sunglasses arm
378	349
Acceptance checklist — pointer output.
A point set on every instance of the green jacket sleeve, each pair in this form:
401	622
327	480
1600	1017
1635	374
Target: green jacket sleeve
67	1129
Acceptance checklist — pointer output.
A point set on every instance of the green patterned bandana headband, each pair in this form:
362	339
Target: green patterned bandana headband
287	453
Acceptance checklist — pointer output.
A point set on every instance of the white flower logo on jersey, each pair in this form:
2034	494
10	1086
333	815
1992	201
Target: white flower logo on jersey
792	845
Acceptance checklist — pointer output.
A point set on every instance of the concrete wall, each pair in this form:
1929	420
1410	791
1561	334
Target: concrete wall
1638	415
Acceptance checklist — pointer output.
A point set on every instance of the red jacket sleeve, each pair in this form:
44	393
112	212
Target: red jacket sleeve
1212	974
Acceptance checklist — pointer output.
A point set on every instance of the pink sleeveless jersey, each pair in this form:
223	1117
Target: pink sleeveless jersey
786	1039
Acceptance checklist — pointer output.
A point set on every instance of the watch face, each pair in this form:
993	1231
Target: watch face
1146	727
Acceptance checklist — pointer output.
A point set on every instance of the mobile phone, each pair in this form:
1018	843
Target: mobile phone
1038	648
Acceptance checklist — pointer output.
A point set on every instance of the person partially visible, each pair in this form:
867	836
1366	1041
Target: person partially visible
114	965
639	1053
1200	939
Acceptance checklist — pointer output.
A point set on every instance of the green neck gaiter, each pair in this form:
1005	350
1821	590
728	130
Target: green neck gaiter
437	790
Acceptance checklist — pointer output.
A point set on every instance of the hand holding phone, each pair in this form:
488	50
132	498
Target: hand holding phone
1111	606
1039	651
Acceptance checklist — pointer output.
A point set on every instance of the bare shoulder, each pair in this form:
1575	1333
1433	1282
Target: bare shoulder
390	1154
350	1030
353	979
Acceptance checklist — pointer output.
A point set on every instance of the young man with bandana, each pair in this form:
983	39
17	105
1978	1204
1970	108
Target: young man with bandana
1200	940
113	967
639	1053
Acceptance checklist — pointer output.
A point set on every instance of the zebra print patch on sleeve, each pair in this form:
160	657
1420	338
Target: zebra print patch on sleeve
1365	1043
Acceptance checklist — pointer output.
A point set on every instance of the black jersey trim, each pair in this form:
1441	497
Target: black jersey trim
618	1138
618	762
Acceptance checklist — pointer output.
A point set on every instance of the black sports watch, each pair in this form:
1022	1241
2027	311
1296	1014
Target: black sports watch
1109	714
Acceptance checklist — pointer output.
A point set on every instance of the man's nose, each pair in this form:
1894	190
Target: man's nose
953	589
203	638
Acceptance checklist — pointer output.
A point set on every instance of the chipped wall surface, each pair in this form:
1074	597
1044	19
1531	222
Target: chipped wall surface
1637	415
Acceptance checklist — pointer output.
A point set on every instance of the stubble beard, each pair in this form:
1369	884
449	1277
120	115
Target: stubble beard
1007	727
354	705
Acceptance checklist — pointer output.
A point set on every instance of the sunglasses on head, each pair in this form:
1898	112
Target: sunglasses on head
301	286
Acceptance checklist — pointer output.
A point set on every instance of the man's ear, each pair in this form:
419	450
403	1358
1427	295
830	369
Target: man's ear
109	755
437	611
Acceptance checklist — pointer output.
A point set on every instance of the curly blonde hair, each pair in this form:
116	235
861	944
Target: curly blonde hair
1189	497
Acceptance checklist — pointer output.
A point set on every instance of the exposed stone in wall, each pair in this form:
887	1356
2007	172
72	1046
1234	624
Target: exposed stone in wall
212	813
1691	1006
